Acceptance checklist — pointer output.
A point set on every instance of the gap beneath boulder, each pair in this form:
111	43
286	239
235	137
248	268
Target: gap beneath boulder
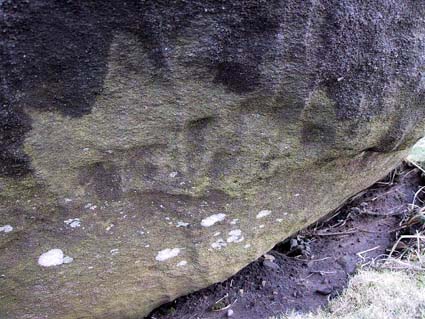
305	271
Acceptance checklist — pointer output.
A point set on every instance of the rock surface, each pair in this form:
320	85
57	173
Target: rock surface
165	145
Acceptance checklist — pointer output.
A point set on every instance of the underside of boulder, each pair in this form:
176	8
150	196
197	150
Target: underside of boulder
151	148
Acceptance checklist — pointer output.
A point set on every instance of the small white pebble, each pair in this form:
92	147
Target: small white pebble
247	246
261	226
263	214
279	220
109	227
296	195
230	313
173	174
234	221
217	234
114	251
6	229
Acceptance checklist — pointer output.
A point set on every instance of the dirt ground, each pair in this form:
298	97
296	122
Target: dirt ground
305	271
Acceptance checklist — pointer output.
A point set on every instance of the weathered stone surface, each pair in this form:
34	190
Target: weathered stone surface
163	145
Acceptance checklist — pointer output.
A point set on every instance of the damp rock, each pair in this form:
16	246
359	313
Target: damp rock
219	114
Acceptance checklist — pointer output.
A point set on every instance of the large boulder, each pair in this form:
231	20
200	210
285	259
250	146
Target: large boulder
151	148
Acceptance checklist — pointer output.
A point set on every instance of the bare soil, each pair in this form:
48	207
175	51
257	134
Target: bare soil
303	272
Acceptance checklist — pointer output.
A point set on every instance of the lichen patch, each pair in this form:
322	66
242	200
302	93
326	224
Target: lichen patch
6	229
73	222
182	224
263	213
219	244
167	253
54	257
235	236
213	219
182	263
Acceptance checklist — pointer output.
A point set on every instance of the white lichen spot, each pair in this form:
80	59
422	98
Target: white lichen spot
262	226
235	236
220	243
263	213
279	220
217	234
234	221
109	227
182	263
168	253
73	222
147	246
67	200
211	220
173	174
6	229
114	251
90	206
54	257
67	260
297	194
182	224
247	246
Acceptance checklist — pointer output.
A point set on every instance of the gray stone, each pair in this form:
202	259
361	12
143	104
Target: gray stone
244	121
